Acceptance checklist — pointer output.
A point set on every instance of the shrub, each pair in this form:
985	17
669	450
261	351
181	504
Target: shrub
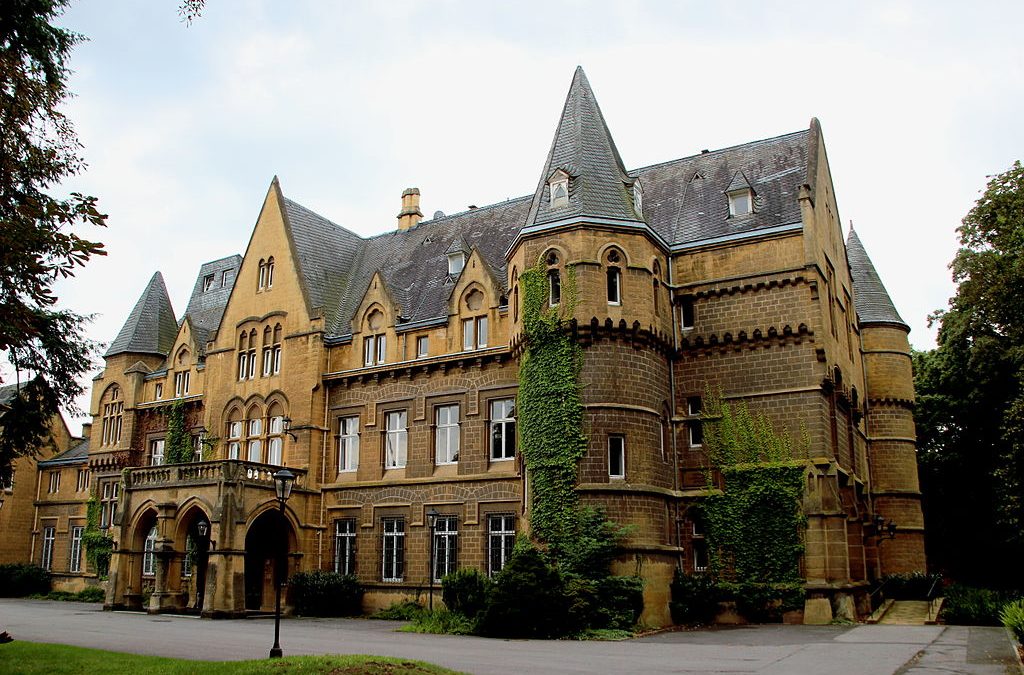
909	586
465	592
319	593
763	603
969	606
621	601
529	599
91	594
441	621
17	580
406	610
694	598
1012	616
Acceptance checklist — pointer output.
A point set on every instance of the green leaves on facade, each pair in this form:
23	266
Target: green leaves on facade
98	545
754	525
178	443
550	409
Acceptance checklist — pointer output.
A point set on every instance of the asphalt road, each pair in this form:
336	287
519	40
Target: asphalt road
773	649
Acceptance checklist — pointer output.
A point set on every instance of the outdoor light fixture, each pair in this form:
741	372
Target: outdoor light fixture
283	481
203	528
432	515
286	426
883	529
202	550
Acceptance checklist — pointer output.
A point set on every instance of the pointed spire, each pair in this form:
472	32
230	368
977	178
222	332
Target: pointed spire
151	327
583	148
874	306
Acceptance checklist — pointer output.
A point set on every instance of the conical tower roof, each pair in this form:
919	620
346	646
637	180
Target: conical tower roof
874	306
151	327
583	148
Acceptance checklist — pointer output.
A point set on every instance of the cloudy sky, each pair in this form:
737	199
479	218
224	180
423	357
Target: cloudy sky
348	103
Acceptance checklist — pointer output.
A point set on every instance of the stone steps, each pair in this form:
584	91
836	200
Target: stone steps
907	613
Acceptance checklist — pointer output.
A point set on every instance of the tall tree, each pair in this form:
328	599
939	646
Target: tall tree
38	150
970	412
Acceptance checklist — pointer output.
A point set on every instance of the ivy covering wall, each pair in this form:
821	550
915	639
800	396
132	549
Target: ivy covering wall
550	409
755	523
98	545
178	442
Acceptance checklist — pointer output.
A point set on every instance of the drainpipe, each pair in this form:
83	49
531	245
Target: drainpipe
671	424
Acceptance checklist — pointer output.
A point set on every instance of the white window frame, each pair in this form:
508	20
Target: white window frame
699	537
82	480
558	190
446	546
254	445
447	434
234	439
503	429
393	549
157	453
501	539
158	391
243	366
275	440
345	546
617	455
422	347
614	286
456	263
638	199
75	550
694	406
738	197
181	383
49	540
687	306
396	439
149	554
348	444
208	281
554	282
270	272
54	487
268	361
277	359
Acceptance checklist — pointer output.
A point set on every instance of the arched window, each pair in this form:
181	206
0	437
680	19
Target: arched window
374	341
113	409
254	435
149	554
234	433
657	288
554	279
262	280
270	272
614	260
275	438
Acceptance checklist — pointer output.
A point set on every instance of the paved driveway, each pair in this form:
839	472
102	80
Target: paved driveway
789	650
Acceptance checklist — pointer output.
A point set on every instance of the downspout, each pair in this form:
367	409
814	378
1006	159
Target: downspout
671	424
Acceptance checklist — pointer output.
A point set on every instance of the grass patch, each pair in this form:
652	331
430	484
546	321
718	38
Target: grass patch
407	610
31	658
607	634
91	594
441	622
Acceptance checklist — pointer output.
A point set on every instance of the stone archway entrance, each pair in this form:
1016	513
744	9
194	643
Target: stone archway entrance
267	542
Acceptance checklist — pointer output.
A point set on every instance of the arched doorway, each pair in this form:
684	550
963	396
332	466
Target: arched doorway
267	543
192	550
142	561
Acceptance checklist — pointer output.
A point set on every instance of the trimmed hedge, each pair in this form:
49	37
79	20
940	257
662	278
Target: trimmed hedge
320	593
694	599
18	580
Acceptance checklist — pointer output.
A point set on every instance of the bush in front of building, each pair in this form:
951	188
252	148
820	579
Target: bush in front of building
465	592
694	599
910	585
1012	616
529	599
18	580
970	606
320	593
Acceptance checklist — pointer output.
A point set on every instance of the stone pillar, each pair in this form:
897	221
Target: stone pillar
165	597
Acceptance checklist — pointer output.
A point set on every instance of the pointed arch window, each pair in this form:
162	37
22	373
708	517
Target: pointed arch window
149	554
253	435
375	342
614	260
271	350
113	411
234	434
275	436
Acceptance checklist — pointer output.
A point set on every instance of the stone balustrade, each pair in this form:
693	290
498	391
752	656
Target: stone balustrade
228	471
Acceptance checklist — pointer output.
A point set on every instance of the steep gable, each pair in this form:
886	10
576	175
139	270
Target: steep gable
151	326
874	306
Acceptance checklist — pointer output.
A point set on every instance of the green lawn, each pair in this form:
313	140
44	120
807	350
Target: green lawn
34	657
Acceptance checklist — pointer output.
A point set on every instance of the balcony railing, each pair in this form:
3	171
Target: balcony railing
192	473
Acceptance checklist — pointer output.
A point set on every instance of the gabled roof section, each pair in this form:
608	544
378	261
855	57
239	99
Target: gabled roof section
685	210
78	453
8	392
739	182
583	148
206	306
414	263
872	301
151	326
325	254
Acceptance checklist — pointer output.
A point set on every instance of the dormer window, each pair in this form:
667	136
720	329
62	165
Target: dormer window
208	282
456	261
741	202
559	186
638	199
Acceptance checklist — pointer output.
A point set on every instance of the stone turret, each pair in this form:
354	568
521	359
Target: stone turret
896	493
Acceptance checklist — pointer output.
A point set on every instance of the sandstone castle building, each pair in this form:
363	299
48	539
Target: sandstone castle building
382	371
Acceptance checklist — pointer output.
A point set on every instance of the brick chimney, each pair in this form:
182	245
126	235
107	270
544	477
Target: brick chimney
410	215
87	430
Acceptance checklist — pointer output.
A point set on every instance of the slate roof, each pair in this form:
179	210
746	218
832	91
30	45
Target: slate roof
583	148
206	307
414	262
870	297
151	326
76	454
684	209
7	392
326	253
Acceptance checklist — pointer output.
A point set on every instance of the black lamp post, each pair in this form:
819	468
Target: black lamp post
432	515
203	529
283	481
